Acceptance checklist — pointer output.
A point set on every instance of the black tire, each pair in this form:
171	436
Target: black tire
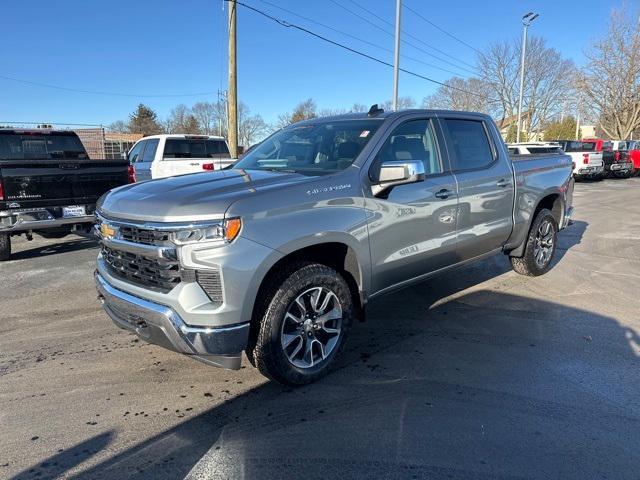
267	351
527	264
5	247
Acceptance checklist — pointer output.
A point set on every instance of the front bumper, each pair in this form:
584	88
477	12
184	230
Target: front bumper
163	326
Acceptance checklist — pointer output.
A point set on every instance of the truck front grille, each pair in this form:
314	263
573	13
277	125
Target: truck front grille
153	273
142	235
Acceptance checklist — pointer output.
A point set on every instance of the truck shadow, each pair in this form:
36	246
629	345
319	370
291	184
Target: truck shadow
81	243
438	383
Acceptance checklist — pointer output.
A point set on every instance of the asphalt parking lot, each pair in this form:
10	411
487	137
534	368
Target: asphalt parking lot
481	373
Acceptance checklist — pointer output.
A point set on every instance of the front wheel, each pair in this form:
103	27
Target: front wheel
540	247
303	329
5	247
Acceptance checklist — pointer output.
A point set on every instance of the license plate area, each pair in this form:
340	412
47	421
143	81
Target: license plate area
74	211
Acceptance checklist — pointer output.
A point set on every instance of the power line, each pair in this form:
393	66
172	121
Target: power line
441	29
287	24
418	39
94	92
408	57
387	32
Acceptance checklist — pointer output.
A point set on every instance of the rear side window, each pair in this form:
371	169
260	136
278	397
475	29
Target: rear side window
513	151
179	148
470	144
15	146
544	150
578	146
150	150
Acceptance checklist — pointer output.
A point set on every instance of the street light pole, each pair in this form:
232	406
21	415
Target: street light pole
526	21
396	57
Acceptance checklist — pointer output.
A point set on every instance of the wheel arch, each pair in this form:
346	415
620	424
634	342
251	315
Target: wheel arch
335	254
551	201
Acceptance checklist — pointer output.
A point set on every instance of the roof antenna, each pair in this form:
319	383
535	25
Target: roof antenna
375	110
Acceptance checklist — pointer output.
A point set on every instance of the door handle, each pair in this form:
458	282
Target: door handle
444	193
502	183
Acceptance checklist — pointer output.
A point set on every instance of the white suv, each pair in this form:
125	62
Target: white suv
160	156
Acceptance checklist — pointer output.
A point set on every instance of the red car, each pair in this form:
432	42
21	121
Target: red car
634	155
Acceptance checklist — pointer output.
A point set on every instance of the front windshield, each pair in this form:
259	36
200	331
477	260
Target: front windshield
312	149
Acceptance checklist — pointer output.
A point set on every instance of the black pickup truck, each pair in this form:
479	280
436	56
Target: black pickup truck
49	186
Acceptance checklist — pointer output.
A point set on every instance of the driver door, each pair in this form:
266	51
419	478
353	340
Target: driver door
412	227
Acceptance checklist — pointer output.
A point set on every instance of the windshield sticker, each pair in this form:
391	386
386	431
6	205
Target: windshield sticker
364	134
331	188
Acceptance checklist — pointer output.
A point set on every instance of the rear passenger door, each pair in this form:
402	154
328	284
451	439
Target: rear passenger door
484	178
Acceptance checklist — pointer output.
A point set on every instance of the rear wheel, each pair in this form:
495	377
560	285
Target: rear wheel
5	247
304	325
540	247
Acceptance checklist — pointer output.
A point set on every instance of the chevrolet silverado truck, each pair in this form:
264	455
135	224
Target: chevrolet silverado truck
279	255
48	185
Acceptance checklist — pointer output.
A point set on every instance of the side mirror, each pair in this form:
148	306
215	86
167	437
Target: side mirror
398	172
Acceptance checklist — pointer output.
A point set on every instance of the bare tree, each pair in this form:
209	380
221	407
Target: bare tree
611	78
466	94
250	127
119	126
303	111
207	115
403	103
548	81
359	107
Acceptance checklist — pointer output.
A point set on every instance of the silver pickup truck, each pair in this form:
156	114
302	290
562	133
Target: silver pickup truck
279	255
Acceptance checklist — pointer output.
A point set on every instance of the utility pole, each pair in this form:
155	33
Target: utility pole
578	122
232	95
396	56
526	21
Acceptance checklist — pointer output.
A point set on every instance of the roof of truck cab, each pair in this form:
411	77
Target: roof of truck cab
184	135
388	114
35	131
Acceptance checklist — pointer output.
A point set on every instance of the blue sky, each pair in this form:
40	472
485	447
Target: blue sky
179	47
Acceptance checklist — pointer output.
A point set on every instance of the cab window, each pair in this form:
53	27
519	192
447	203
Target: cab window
412	140
470	145
136	152
150	150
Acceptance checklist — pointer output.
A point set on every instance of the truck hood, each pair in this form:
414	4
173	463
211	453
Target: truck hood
190	198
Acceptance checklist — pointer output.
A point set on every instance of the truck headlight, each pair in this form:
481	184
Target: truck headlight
225	231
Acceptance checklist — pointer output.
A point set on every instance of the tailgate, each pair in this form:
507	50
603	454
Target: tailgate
40	183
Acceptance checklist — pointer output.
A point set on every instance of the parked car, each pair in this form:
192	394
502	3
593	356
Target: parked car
48	185
634	154
280	254
160	156
534	148
587	160
614	157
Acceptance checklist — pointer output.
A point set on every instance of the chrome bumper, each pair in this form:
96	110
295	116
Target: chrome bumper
41	219
614	167
161	325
